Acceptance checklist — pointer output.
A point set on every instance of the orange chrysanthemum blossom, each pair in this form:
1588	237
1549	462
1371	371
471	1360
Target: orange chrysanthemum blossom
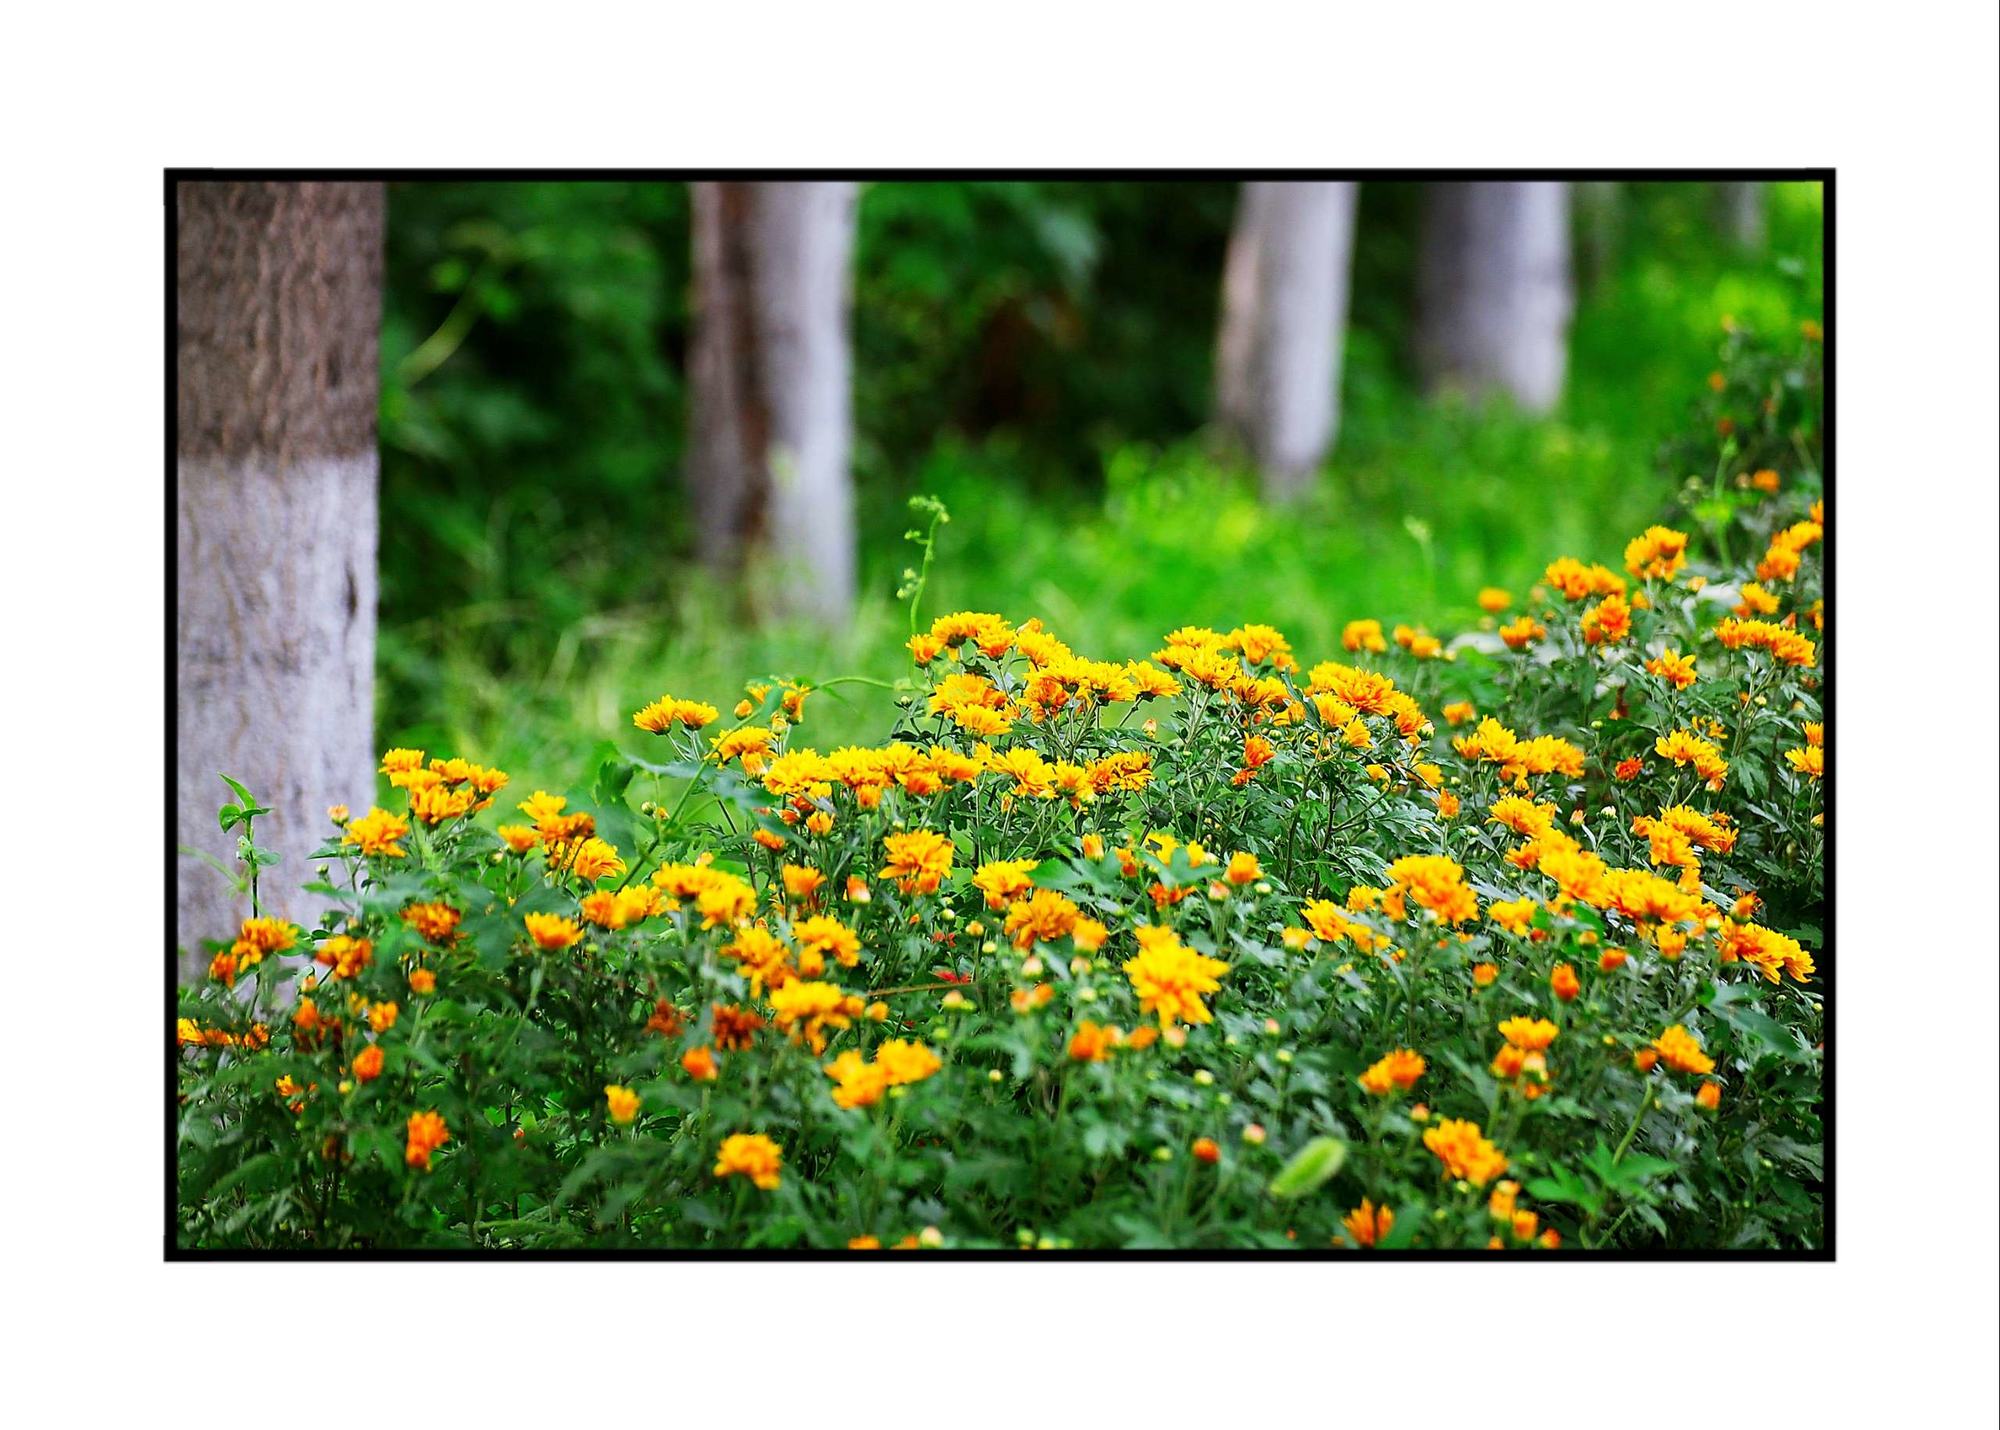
376	832
1523	631
765	959
1768	951
906	1061
857	1082
665	713
1808	760
1786	645
1368	1224
1578	582
824	936
1517	916
1493	600
1436	883
1754	600
1043	918
1530	1035
1093	1042
1684	747
1395	1070
804	1010
973	703
434	922
1519	759
1466	1155
1171	978
621	1103
552	931
1682	1053
752	1155
620	908
1781	560
721	898
1004	880
1657	553
1608	622
1672	667
426	1133
1330	925
918	860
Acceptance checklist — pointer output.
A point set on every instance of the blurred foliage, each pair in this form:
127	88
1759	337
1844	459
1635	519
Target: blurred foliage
1039	355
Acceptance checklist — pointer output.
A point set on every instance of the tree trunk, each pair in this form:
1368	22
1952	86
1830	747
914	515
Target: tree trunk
1740	211
1598	221
1284	316
278	307
769	418
1493	290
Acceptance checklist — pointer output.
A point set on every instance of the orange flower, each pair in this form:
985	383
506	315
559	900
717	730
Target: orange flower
1368	1224
423	981
752	1155
1682	1052
1399	1069
368	1063
426	1133
1466	1155
552	931
1563	983
1205	1150
699	1064
1709	1095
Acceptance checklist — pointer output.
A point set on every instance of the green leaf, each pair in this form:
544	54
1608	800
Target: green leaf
1311	1168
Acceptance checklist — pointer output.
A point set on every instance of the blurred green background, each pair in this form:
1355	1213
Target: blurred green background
1037	354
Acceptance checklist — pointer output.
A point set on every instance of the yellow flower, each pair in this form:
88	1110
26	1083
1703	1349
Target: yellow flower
1674	668
752	1155
622	1103
666	712
376	833
918	860
1466	1155
1493	600
1682	1052
1044	918
906	1062
1657	553
1809	761
857	1082
1002	880
1399	1069
805	1009
552	931
1170	978
1530	1035
1363	635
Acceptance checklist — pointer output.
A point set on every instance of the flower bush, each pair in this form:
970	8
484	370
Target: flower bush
1505	939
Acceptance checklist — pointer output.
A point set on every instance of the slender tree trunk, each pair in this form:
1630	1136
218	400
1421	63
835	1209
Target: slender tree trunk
1740	210
1284	316
768	384
1493	290
278	300
1598	223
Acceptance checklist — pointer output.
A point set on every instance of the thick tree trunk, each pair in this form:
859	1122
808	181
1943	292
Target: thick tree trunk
278	299
769	417
1284	316
1740	211
1493	290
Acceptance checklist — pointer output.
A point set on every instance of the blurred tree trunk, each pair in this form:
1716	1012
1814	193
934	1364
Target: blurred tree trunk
1599	219
1284	315
1493	290
1740	211
278	303
769	414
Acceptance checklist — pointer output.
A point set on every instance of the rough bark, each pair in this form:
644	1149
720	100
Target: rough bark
769	420
278	303
1493	290
1740	211
1284	316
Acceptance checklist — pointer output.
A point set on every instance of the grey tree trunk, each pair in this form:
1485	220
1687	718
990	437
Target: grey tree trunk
769	419
1284	319
1740	210
1493	290
278	301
